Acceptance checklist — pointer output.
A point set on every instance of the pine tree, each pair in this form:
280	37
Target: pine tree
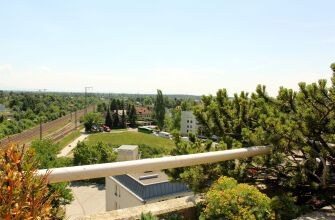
159	109
132	117
116	120
113	105
108	119
123	120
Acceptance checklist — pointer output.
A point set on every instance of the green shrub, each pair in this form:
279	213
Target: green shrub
227	199
148	216
285	207
93	154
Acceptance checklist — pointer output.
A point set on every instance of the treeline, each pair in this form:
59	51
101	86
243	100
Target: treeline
119	113
24	110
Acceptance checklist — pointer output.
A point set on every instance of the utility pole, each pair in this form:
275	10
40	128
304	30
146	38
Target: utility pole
41	129
75	120
86	88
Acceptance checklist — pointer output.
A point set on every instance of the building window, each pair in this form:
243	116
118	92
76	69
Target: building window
191	121
115	190
188	121
115	205
187	126
187	131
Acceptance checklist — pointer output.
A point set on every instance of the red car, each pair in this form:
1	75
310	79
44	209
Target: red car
106	128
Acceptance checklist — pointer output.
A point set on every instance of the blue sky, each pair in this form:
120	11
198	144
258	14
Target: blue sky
191	47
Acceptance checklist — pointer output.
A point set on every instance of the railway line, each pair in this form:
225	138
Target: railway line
54	130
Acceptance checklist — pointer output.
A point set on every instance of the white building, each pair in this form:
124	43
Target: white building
129	190
188	123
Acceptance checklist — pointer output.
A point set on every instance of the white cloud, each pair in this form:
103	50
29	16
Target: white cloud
6	69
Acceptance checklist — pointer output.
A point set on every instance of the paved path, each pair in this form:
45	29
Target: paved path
66	150
89	198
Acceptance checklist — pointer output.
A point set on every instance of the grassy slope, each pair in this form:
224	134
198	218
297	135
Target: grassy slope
135	138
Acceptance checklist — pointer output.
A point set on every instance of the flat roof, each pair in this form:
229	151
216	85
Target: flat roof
147	189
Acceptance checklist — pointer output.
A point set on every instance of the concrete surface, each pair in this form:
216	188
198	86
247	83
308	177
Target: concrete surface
66	150
89	198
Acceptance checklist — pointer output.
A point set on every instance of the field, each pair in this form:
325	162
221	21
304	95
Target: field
132	138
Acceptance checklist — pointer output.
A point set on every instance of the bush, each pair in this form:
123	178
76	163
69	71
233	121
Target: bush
285	207
148	216
23	194
85	154
227	199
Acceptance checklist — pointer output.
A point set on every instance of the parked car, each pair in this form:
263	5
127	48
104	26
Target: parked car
164	134
106	128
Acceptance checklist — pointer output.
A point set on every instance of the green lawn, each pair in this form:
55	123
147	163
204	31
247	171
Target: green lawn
132	138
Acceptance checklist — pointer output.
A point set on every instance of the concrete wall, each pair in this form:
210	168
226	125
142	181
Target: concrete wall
184	206
188	123
117	197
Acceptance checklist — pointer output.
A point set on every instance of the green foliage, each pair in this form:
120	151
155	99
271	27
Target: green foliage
285	206
46	156
332	66
159	109
227	199
23	194
46	152
148	216
91	119
108	119
132	116
198	178
93	154
298	125
29	108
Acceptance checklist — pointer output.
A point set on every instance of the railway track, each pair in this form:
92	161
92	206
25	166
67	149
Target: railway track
55	130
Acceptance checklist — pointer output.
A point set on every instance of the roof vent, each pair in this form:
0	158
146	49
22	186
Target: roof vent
148	177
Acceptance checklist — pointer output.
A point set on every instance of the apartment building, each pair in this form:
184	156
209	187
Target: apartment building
188	123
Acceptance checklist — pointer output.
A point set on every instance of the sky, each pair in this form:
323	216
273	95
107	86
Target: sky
178	46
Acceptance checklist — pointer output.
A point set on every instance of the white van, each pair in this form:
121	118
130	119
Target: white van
164	134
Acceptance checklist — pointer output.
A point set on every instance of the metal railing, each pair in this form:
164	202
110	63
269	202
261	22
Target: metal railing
118	168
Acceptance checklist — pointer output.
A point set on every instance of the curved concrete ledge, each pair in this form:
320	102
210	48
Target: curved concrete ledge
154	164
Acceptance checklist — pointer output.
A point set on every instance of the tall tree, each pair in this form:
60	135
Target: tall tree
116	120
108	119
123	120
132	117
159	109
113	105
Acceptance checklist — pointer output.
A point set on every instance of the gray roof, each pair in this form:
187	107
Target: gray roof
151	191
